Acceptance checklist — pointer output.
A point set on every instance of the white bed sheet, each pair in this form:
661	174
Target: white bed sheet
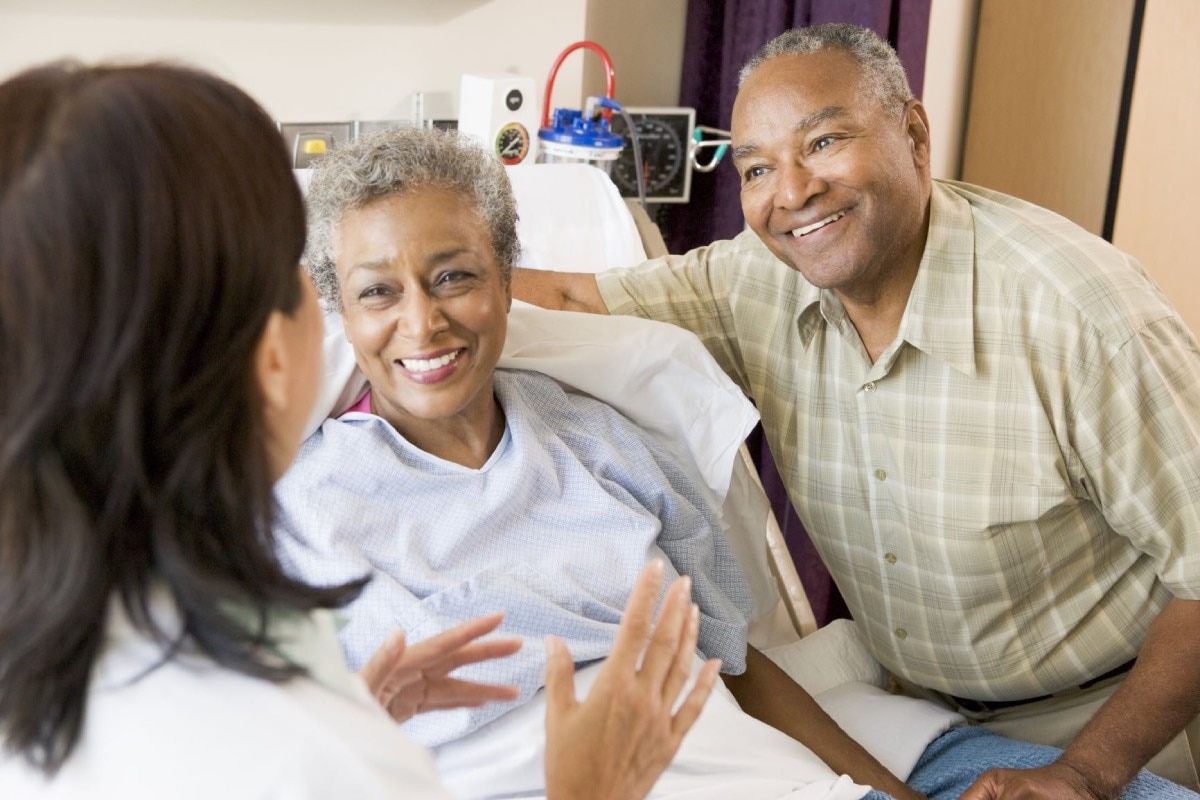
727	754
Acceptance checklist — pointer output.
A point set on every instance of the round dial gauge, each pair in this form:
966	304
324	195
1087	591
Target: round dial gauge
512	143
663	155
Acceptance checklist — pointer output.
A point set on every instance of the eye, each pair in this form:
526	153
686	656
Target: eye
456	280
822	143
752	172
373	291
453	276
377	295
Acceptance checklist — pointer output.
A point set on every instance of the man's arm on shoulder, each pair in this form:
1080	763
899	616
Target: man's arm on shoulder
564	291
767	693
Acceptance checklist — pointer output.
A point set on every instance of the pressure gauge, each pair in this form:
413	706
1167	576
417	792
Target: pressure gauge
512	143
664	135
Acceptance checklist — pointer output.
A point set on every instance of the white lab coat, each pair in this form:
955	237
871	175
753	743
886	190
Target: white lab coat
189	729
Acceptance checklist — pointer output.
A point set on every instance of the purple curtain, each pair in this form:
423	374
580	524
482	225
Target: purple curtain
722	35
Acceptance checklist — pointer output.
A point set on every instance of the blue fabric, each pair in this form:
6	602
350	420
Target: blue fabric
954	760
553	531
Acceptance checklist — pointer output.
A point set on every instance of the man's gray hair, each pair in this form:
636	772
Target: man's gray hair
882	73
394	162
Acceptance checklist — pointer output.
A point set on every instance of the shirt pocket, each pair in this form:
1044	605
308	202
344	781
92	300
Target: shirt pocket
987	532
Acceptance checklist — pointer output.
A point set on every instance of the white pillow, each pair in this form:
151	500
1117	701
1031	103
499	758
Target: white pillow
572	219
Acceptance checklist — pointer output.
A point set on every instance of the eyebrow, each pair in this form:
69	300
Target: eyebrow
803	124
432	260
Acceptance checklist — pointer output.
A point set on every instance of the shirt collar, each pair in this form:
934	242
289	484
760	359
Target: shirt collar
939	317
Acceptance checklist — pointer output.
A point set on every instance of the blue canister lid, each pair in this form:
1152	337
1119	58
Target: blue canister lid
572	128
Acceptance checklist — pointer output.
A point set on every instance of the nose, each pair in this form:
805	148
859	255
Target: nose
421	317
796	185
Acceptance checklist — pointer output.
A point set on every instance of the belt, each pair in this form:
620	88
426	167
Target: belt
977	706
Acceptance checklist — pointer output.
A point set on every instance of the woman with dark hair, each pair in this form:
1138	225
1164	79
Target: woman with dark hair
161	351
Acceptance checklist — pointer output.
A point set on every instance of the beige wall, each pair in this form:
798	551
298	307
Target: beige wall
644	39
363	59
314	59
1156	214
948	56
309	60
1044	118
1045	101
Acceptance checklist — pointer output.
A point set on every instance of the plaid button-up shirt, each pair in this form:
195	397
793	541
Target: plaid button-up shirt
1011	492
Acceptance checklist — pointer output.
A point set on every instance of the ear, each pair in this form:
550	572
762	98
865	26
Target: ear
270	365
916	123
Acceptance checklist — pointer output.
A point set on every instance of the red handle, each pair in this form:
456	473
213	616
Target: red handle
609	83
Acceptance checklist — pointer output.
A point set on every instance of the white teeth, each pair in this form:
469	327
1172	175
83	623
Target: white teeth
810	228
427	364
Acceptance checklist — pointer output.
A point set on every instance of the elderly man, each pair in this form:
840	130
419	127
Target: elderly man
984	415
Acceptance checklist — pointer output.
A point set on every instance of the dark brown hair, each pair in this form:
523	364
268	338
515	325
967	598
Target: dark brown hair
149	225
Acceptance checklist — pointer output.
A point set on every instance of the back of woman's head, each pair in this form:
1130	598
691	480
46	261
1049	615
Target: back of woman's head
149	225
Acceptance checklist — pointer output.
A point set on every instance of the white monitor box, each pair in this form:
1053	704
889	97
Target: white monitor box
503	113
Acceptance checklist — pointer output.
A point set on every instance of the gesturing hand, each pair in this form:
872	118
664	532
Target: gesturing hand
412	680
616	743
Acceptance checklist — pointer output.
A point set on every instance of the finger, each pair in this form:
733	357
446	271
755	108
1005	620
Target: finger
689	710
383	662
668	632
560	679
637	619
473	654
681	667
984	788
453	693
429	651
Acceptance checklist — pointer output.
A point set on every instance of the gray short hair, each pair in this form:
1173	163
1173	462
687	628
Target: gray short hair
394	162
882	72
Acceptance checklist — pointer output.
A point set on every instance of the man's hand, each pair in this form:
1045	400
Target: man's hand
1160	696
615	744
1057	781
412	680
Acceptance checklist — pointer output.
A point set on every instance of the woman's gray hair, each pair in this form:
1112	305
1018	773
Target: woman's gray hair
394	162
882	73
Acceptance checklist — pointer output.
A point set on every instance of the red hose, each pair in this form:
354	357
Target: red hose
609	83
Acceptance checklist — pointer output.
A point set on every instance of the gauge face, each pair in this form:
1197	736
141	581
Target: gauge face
663	136
512	143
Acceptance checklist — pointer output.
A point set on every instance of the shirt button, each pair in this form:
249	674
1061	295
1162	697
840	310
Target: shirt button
870	387
880	475
901	633
890	558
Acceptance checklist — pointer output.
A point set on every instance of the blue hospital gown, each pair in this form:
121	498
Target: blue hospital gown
553	530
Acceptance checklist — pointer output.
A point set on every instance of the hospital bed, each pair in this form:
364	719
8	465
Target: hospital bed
572	218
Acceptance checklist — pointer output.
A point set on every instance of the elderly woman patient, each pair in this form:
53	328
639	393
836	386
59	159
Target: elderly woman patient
463	488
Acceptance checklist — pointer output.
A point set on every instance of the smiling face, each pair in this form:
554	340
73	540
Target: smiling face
425	308
834	184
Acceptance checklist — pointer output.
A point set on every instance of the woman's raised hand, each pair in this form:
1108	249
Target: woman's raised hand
411	680
616	743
